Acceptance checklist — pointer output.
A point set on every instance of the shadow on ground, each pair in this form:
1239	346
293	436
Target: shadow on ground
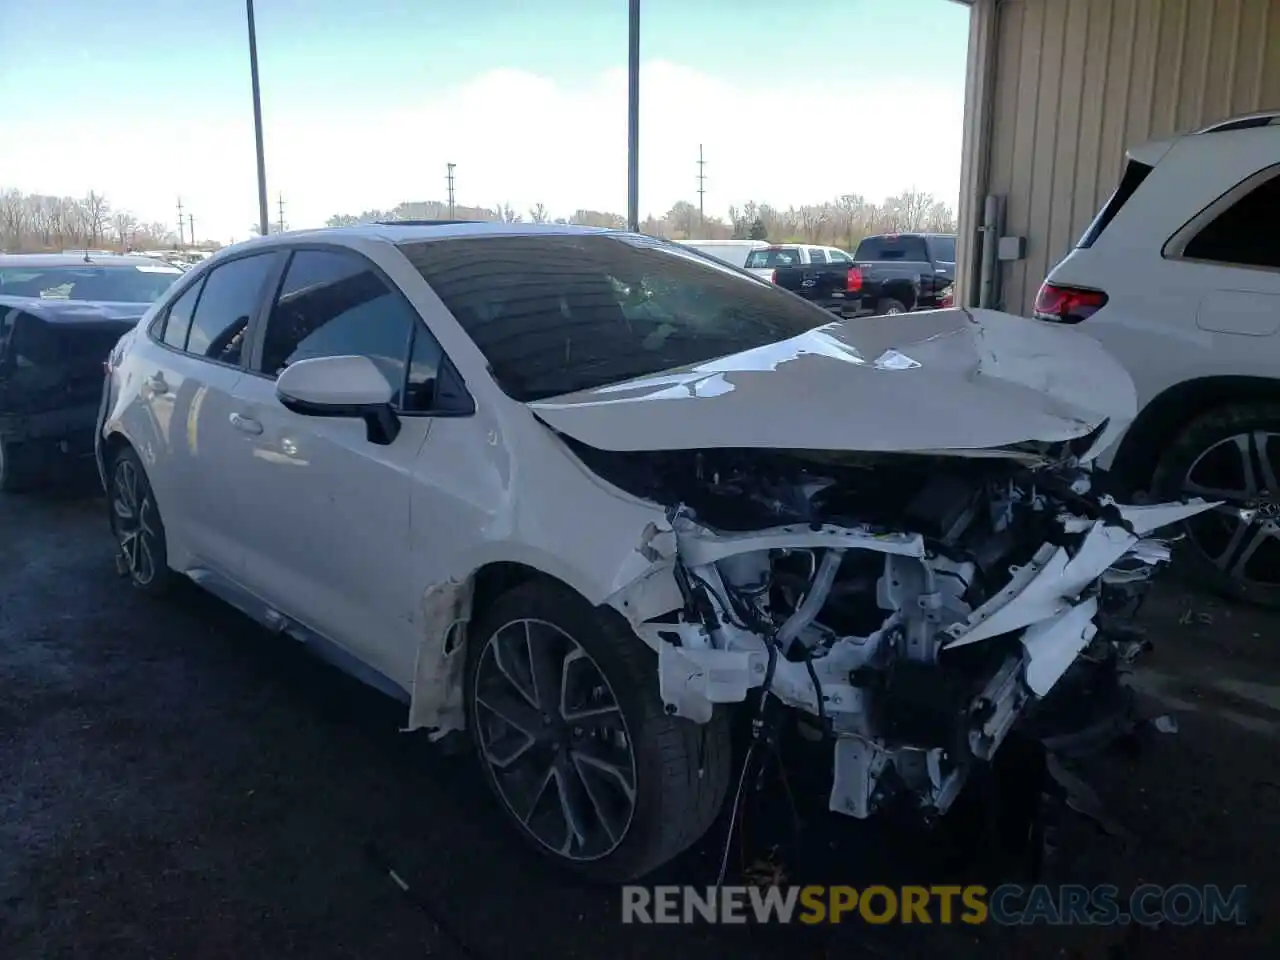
176	783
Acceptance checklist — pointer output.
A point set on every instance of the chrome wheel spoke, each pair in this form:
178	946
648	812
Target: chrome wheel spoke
545	665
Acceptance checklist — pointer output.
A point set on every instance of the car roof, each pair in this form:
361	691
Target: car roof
41	260
416	231
1217	134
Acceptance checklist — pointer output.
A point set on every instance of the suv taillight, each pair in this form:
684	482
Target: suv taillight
773	276
853	284
1067	304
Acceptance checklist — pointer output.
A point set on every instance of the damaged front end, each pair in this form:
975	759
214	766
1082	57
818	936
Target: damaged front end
912	608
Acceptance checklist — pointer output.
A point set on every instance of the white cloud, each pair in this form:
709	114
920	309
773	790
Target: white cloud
518	138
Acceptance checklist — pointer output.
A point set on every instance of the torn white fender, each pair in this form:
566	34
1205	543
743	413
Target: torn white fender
1053	580
436	697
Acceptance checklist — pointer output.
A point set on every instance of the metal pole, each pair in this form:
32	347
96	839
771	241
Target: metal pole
264	218
633	118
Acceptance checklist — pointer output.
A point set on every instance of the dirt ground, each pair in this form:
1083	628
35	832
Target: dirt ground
175	783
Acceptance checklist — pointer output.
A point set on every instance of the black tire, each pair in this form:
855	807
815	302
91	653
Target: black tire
17	470
890	305
1205	448
681	769
137	525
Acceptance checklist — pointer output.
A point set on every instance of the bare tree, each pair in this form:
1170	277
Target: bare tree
96	212
538	214
125	225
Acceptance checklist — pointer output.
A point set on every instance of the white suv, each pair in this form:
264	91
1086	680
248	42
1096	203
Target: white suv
1179	277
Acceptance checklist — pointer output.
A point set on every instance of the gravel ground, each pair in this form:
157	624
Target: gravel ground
175	783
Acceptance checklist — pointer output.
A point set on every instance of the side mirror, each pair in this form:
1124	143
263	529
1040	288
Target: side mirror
351	387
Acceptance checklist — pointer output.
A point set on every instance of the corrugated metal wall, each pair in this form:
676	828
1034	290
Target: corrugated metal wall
1076	82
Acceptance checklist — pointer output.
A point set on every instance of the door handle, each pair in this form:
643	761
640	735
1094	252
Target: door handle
156	384
246	424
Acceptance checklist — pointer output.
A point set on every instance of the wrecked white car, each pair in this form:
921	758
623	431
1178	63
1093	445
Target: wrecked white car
584	498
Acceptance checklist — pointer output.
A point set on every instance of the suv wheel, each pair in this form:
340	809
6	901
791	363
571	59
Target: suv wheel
1230	454
889	306
563	707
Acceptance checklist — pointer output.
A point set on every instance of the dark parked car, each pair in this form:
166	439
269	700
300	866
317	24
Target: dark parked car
60	315
906	271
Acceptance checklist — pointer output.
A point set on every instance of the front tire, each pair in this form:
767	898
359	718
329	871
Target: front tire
136	523
563	708
1230	454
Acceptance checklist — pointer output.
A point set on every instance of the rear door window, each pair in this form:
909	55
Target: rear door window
231	294
817	256
1245	233
911	249
944	249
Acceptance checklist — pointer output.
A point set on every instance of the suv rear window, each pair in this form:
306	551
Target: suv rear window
893	248
773	257
1134	174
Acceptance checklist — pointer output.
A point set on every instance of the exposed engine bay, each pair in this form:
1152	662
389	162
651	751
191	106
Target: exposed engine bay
910	608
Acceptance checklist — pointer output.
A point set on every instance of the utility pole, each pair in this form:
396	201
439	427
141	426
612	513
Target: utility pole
264	222
702	220
280	208
181	224
449	179
633	116
191	224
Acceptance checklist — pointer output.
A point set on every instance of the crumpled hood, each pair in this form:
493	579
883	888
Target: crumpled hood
75	311
939	380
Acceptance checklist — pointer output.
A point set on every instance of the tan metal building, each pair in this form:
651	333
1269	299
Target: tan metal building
1057	90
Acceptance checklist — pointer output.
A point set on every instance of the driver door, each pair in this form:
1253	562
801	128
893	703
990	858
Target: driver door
326	533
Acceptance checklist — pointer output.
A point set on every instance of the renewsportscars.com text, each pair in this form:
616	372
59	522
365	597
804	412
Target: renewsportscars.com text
1007	905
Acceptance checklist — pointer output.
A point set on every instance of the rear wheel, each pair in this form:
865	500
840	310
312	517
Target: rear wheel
136	523
1230	454
563	707
890	306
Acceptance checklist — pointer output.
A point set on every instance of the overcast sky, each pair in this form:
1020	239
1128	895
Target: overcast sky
365	102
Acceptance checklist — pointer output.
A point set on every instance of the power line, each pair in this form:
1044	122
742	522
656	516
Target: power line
702	179
181	223
449	179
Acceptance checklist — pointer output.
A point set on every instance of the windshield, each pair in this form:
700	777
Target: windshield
135	283
773	257
554	314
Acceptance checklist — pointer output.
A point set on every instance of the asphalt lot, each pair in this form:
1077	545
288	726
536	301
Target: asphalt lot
174	783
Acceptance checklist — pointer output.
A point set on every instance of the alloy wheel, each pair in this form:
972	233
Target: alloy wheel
134	513
1241	537
555	740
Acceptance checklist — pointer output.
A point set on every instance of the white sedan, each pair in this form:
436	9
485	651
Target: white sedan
582	496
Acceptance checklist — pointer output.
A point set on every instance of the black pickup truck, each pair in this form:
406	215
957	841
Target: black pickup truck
906	271
825	275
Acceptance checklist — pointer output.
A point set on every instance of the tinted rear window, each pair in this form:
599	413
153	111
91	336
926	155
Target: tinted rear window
115	284
773	257
1134	174
944	249
556	314
893	248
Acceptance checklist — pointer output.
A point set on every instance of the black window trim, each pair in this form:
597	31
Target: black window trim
463	406
155	330
1182	237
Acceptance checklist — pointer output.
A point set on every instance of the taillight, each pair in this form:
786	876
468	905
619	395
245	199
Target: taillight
853	283
773	276
1067	304
947	297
